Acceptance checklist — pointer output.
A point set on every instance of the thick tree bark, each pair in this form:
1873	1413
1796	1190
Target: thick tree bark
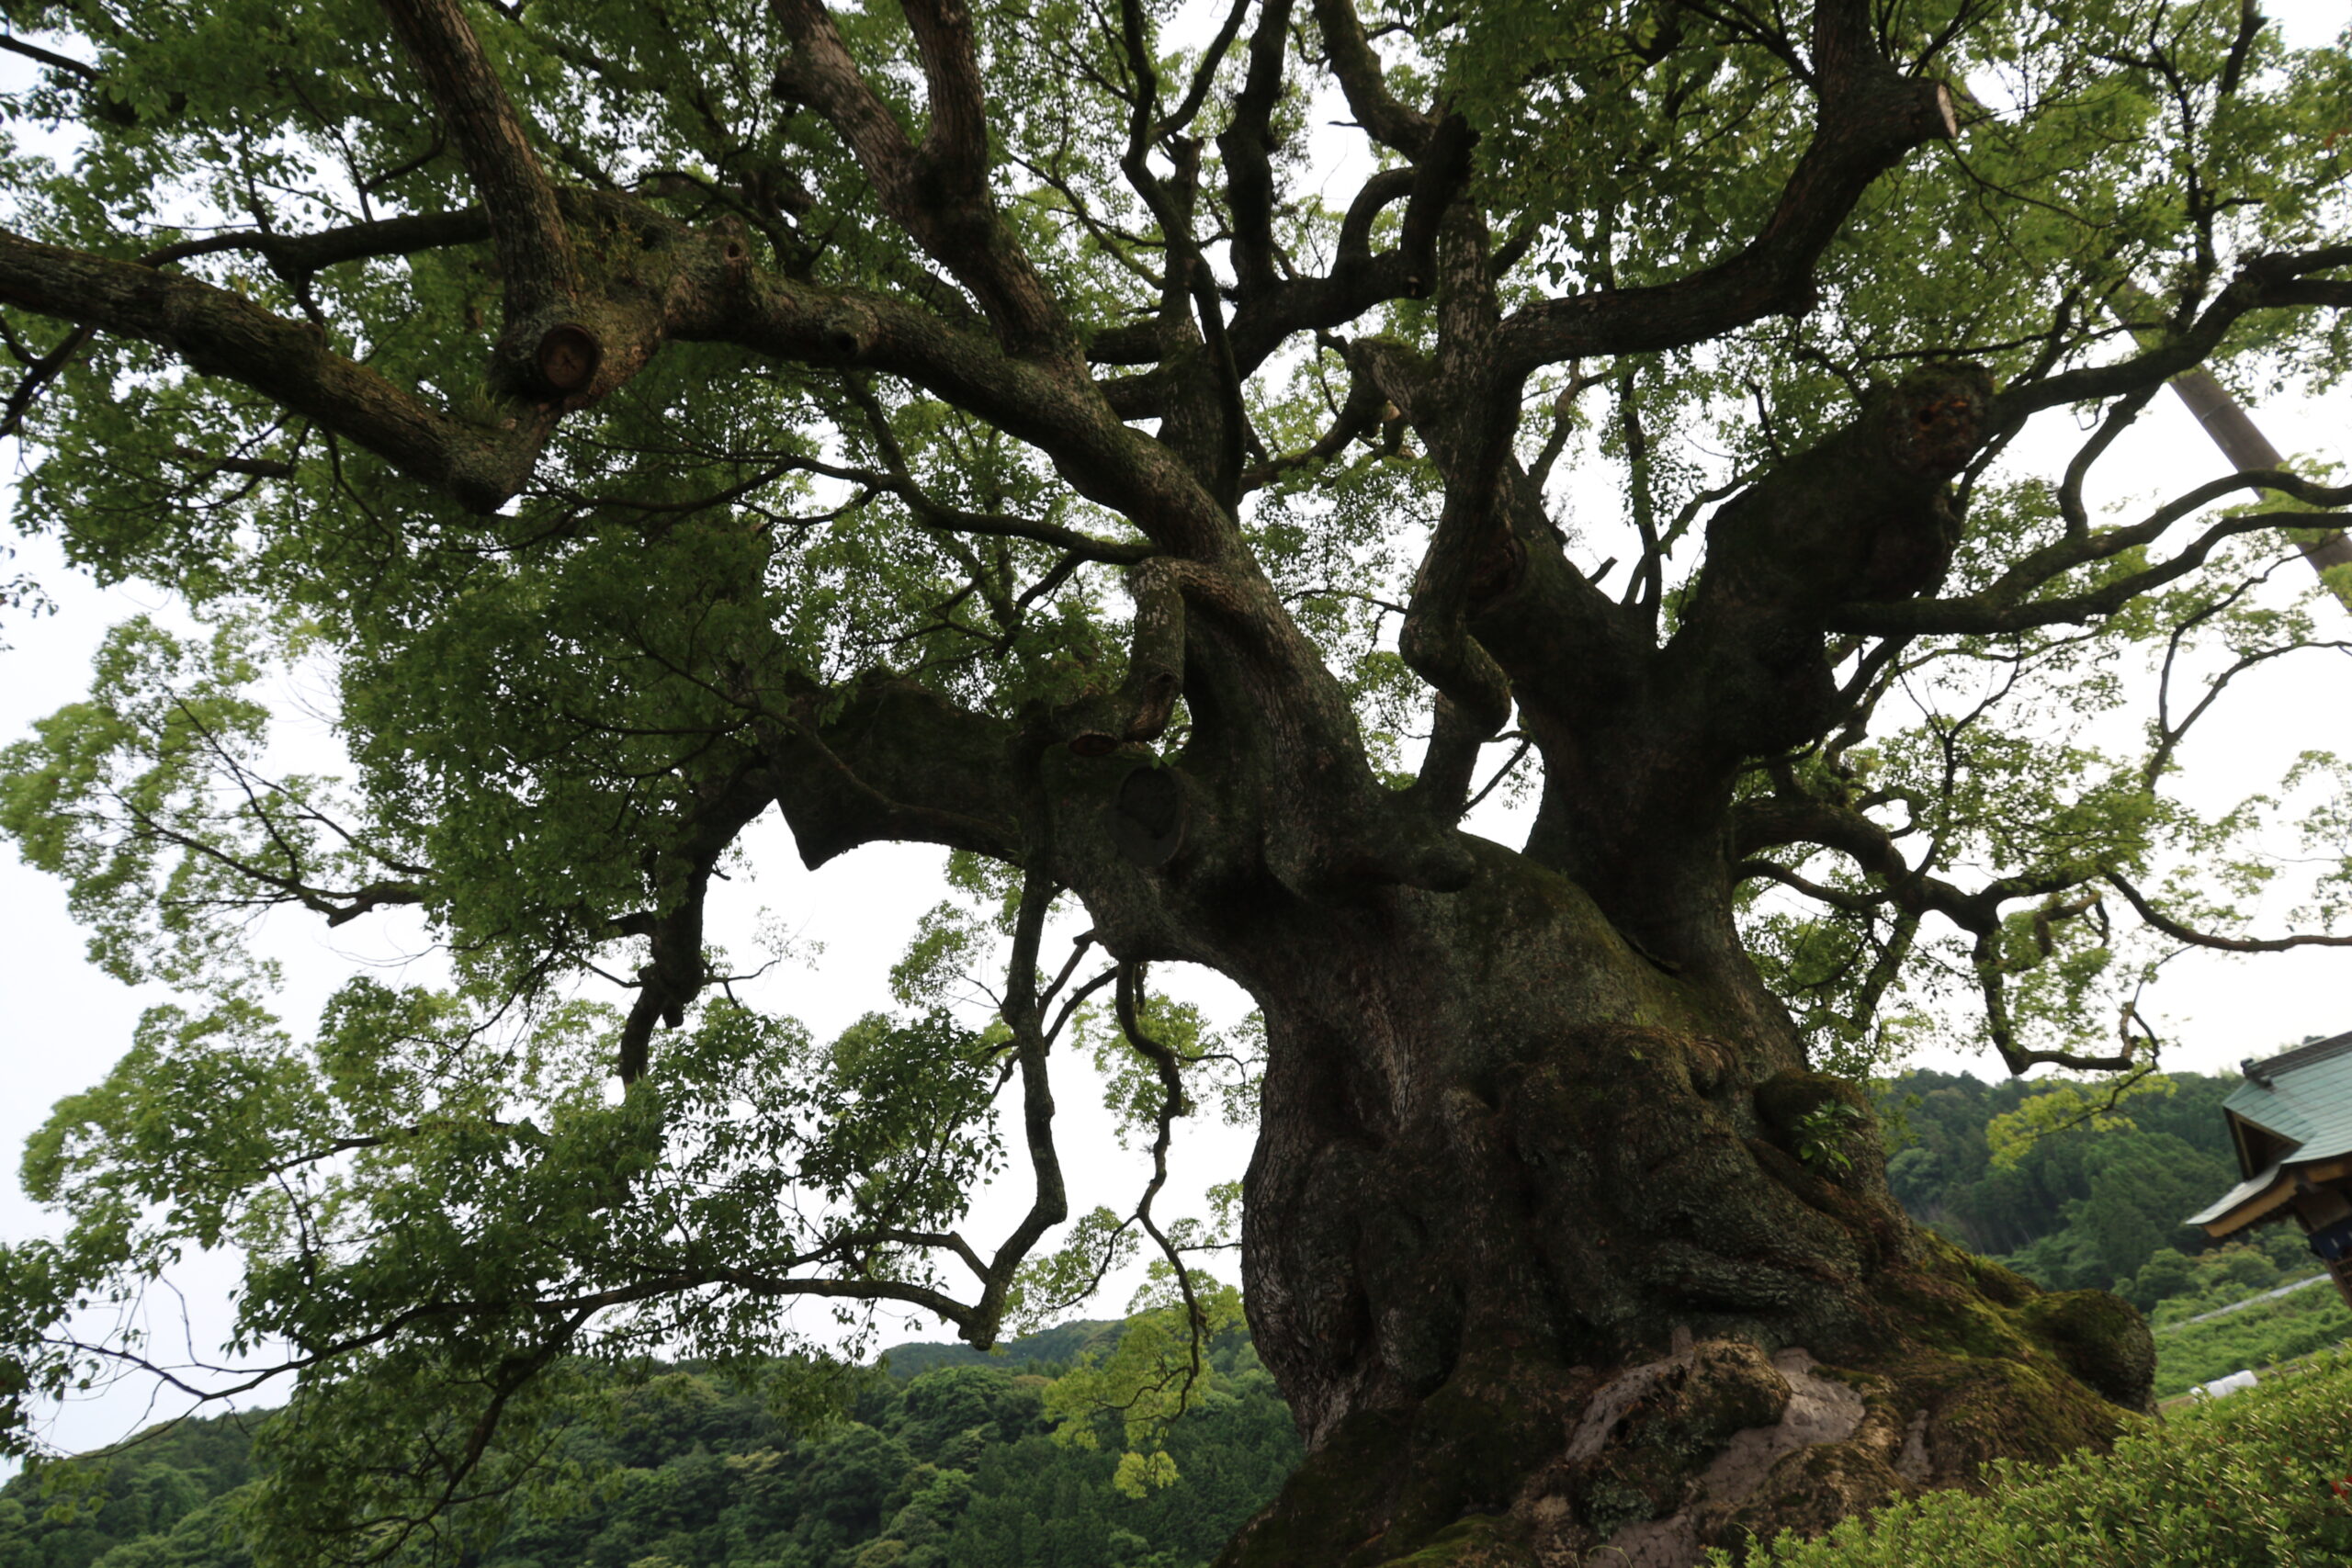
1548	1247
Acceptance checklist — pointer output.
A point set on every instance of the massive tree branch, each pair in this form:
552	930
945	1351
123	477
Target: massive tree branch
1869	115
2265	282
886	759
2004	607
534	251
219	332
1364	79
938	190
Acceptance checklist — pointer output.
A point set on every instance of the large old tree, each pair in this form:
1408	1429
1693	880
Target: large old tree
1173	463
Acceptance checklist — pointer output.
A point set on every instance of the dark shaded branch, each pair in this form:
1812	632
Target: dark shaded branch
680	872
217	332
1867	116
2265	282
49	57
2003	607
298	256
1138	712
939	190
2194	938
1364	82
889	759
1024	1013
533	247
1127	1001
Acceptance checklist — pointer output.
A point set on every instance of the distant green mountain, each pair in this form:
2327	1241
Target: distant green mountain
1056	1348
943	1460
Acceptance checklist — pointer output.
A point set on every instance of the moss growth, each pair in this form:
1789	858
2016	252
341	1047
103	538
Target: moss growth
1806	1493
1332	1502
2100	1338
1390	1483
1983	1408
2003	1285
1482	1540
1785	1100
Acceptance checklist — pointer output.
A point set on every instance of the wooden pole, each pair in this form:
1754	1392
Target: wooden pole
2243	443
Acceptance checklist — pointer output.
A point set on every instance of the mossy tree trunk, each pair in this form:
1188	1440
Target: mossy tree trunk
1550	1248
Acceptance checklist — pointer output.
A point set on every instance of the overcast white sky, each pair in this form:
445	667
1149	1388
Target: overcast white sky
64	1024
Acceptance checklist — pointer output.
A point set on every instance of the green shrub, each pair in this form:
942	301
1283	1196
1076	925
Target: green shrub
2240	1482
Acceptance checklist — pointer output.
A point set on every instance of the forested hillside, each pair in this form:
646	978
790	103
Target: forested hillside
2080	1207
2101	1205
944	1458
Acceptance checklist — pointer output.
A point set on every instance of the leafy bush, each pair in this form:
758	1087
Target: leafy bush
2247	1482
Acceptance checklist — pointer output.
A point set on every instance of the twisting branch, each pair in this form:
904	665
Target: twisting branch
1868	115
1127	1002
2174	928
674	973
528	230
1024	1013
1248	145
1356	418
1139	710
938	190
1364	80
2004	607
1992	982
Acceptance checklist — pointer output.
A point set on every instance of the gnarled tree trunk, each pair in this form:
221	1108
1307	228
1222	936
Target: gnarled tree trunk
1549	1247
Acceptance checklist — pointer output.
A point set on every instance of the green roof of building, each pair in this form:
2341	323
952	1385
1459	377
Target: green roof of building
2303	1097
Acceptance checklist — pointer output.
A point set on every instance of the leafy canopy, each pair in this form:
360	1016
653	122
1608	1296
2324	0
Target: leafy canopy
641	416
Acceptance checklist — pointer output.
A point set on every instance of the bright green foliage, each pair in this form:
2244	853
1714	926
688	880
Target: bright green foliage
1159	1372
166	1503
2171	1288
1822	1135
435	1161
2078	1206
2253	1481
2063	1104
2257	1336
